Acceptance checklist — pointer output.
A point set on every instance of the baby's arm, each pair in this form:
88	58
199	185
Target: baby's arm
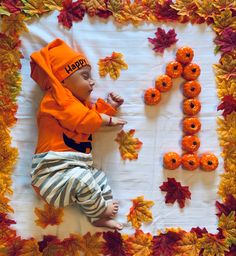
111	120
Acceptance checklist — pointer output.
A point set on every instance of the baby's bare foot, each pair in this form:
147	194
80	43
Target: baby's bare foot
109	223
111	210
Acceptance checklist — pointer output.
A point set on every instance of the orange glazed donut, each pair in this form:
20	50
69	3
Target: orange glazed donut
174	69
190	143
171	160
184	55
208	162
191	125
152	96
191	89
191	71
190	162
163	83
191	107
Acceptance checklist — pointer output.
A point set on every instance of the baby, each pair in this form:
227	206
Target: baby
62	167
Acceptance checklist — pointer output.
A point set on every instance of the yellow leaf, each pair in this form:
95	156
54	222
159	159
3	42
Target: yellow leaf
139	212
14	25
150	8
4	207
188	245
53	4
227	184
34	7
139	244
30	248
93	5
129	146
131	11
222	4
226	87
114	6
112	65
213	245
228	226
49	216
205	8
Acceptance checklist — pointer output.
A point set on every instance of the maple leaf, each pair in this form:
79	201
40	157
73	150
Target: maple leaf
30	248
226	69
164	244
199	231
92	6
228	206
139	212
14	25
165	12
46	240
223	4
71	245
213	245
72	11
6	234
163	39
228	105
226	41
53	4
113	244
104	13
206	9
112	65
4	220
188	245
13	6
131	11
225	87
34	7
232	251
4	206
129	146
150	9
138	244
175	191
49	216
114	6
227	224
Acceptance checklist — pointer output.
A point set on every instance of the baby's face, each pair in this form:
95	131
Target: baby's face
80	83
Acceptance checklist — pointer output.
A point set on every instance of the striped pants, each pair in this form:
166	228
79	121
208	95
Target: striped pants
63	178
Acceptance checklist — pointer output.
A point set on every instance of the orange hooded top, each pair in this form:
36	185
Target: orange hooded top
64	122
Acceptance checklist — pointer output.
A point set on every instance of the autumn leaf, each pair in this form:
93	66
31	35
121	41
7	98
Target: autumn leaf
4	11
129	146
4	206
72	11
228	105
232	251
53	4
226	87
92	6
131	12
34	7
71	245
30	248
13	246
226	41
226	69
13	6
165	12
14	25
114	6
228	226
164	244
139	212
6	234
138	244
199	231
163	39
228	206
223	4
46	240
213	245
206	9
188	245
112	65
114	245
49	216
150	7
175	191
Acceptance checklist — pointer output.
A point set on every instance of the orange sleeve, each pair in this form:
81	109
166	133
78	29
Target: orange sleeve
102	106
76	118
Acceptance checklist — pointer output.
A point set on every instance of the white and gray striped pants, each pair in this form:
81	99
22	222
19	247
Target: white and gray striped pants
63	178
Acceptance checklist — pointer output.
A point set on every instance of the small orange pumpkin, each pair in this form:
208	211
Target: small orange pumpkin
174	69
191	89
208	162
184	55
163	83
191	125
191	107
190	162
191	71
152	96
190	143
171	160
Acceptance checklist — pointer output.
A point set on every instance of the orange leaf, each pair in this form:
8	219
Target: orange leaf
92	6
4	207
30	248
140	244
128	145
112	65
139	212
49	216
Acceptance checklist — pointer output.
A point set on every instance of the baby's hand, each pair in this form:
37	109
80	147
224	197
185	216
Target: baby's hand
114	100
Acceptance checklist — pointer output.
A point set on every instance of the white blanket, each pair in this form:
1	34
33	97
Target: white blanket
158	127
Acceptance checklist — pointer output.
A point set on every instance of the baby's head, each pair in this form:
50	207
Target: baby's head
72	69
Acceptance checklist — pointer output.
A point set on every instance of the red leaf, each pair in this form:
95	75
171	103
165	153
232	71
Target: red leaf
165	12
71	12
5	220
163	40
228	105
199	231
226	41
175	192
232	251
13	6
46	240
228	206
164	244
114	244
